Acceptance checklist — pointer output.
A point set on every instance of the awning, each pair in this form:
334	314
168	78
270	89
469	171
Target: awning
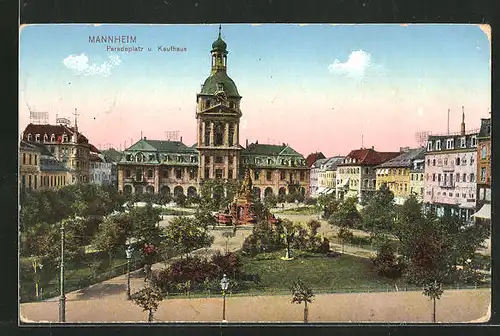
320	190
484	212
329	191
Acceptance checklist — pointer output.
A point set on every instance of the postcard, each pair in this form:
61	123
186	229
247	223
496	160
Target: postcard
241	173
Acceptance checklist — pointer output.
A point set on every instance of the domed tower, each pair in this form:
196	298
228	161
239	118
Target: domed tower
218	120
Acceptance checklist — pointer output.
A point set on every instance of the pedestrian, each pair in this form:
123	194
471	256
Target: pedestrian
147	272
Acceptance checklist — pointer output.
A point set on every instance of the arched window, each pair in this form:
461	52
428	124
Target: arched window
52	138
458	161
45	137
219	135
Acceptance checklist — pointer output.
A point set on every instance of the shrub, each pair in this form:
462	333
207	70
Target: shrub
229	263
386	263
194	269
310	201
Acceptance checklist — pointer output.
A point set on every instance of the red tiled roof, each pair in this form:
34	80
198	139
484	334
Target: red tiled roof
94	158
369	156
313	157
93	149
57	130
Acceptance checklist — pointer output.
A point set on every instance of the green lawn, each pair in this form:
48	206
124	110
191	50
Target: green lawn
342	273
303	210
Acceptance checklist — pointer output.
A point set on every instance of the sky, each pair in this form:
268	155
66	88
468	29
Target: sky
328	88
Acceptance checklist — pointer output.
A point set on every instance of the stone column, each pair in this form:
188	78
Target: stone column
226	135
236	139
202	135
157	179
212	133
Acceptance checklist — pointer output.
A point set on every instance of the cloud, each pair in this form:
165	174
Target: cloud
355	67
80	65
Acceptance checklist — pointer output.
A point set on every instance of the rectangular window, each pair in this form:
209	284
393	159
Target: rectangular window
302	176
256	174
207	134
472	177
230	174
462	142
230	159
24	158
458	177
36	181
483	152
483	174
219	159
438	145
165	174
192	174
127	172
434	177
218	173
231	135
30	161
178	173
269	175
282	175
429	146
193	159
474	141
150	173
207	160
439	177
29	181
207	173
138	175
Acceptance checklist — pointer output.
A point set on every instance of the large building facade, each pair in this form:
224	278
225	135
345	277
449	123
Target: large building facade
398	176
356	174
156	166
450	173
66	144
483	199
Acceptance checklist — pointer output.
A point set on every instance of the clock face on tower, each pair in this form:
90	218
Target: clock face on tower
221	96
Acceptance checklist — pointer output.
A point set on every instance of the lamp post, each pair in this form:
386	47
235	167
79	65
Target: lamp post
62	298
224	284
128	252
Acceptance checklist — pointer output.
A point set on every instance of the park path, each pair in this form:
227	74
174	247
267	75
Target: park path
455	306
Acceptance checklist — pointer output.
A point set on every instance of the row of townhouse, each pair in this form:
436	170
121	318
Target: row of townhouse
451	174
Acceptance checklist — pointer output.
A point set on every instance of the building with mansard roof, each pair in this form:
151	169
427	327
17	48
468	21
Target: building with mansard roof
157	166
450	173
356	173
66	144
397	176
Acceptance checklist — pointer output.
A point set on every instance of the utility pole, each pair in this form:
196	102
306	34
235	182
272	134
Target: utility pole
62	298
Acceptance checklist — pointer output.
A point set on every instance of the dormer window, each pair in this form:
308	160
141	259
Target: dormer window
29	137
65	137
37	137
128	157
45	138
52	138
151	157
438	145
429	146
450	144
193	159
474	141
220	87
463	143
269	161
139	157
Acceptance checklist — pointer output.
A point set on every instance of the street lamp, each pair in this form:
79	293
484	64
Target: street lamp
224	284
128	252
62	298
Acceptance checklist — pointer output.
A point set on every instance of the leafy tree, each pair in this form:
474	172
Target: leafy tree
229	263
148	299
146	221
379	213
187	235
386	262
433	290
345	217
288	230
327	204
259	210
270	201
302	293
180	200
114	232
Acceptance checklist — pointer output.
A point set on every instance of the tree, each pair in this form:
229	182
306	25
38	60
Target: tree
148	299
327	204
270	201
302	293
114	232
288	230
386	262
433	290
345	216
187	235
379	213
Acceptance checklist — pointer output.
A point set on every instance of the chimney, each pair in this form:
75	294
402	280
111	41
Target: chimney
373	147
247	143
181	139
144	138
